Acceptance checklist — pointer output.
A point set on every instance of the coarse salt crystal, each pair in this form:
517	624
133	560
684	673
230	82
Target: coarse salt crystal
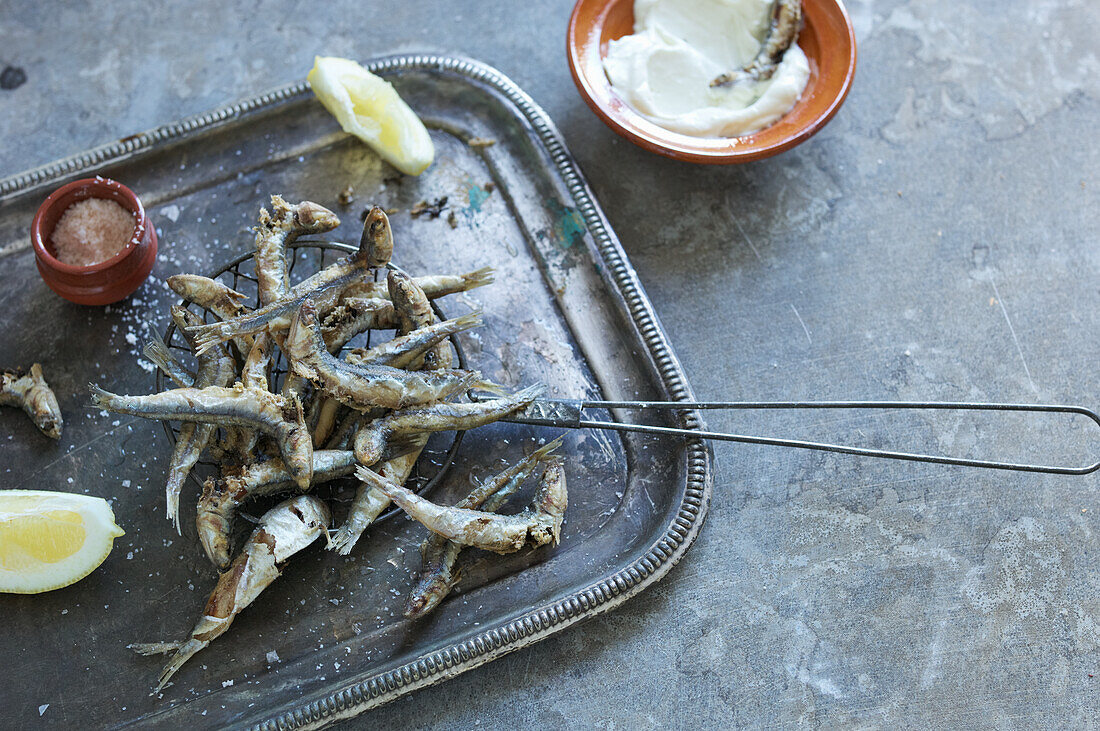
91	231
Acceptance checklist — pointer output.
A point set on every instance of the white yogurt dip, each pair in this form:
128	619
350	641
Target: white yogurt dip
678	47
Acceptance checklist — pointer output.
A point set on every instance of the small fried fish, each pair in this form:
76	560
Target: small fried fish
373	440
323	289
538	525
274	415
783	31
30	392
364	386
275	231
402	351
283	531
434	285
437	574
221	497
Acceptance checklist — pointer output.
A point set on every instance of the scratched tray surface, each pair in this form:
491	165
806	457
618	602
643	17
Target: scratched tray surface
329	622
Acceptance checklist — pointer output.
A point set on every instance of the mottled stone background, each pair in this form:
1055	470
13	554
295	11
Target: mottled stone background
938	240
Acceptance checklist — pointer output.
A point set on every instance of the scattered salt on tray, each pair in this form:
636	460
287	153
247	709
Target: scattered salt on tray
91	231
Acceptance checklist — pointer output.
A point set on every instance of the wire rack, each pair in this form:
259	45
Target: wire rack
307	257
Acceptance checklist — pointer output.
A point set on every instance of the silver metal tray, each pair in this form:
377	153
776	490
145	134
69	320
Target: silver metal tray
327	640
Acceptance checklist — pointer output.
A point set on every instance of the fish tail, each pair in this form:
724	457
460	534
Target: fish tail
172	497
156	351
100	397
481	384
234	296
544	452
479	277
154	648
365	474
208	336
184	653
529	394
401	444
343	539
469	321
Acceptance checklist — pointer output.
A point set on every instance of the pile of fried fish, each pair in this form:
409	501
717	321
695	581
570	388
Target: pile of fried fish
339	410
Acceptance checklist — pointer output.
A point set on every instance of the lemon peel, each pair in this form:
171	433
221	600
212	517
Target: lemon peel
49	540
368	107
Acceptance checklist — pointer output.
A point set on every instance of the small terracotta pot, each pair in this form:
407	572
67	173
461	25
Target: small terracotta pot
108	281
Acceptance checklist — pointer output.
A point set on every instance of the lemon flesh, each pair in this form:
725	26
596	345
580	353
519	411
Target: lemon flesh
368	107
51	539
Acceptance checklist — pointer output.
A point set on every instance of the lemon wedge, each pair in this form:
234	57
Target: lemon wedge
51	539
368	107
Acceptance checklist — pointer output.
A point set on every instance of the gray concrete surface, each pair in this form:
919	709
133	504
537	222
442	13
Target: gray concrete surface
939	239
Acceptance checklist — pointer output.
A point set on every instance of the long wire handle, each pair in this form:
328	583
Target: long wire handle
941	405
575	407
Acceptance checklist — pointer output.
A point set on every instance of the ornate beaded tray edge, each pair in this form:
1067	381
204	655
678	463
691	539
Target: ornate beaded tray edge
539	622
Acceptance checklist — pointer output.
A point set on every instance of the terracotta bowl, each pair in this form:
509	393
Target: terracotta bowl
827	39
108	281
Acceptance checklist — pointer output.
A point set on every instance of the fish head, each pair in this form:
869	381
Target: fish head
182	284
184	318
315	218
376	243
402	288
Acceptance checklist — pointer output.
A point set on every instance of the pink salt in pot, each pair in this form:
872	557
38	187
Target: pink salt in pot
107	281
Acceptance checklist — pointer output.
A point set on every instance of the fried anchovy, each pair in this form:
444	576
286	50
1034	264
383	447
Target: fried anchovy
364	386
384	434
414	311
356	315
538	525
274	415
216	297
785	25
370	502
275	231
191	441
257	365
215	369
326	420
437	574
403	350
210	294
30	392
434	285
221	497
283	531
378	238
323	289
